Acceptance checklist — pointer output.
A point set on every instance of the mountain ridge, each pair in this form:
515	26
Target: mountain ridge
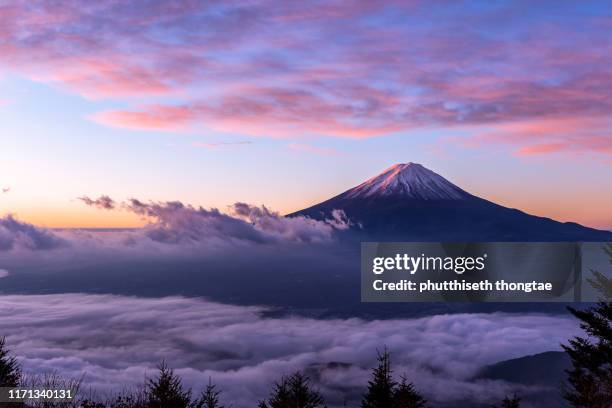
409	202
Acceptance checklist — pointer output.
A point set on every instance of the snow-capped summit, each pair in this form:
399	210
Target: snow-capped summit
408	202
409	180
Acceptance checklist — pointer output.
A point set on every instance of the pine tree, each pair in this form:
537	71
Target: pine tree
600	281
293	392
209	397
10	372
590	378
405	396
166	390
511	402
381	386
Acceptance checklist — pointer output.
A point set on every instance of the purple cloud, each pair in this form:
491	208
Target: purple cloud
174	227
175	222
17	235
390	66
102	202
115	340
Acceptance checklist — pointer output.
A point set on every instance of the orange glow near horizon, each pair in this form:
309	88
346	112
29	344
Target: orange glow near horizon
58	217
564	209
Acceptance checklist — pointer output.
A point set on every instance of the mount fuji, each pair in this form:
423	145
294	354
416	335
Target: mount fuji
409	202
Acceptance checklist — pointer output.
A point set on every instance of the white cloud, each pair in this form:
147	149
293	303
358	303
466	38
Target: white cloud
115	340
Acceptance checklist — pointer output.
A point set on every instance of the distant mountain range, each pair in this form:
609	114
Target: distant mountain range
408	202
547	371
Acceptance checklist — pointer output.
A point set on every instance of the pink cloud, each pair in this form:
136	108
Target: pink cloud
541	149
104	77
575	136
258	112
334	68
157	117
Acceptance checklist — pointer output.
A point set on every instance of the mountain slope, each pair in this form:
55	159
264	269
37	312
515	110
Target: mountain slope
544	372
408	180
412	203
546	369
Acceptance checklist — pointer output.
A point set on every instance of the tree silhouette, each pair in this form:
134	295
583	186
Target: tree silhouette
384	392
381	386
209	397
511	402
293	392
405	396
166	390
590	378
600	281
10	372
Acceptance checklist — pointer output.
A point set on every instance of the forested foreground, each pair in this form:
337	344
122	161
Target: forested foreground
166	390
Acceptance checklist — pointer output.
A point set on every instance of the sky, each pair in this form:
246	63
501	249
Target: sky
289	103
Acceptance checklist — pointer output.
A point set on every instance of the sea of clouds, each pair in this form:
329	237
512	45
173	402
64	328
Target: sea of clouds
116	340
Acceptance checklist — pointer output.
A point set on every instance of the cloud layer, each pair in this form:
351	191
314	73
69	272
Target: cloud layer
17	235
175	222
114	340
103	202
173	230
338	68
